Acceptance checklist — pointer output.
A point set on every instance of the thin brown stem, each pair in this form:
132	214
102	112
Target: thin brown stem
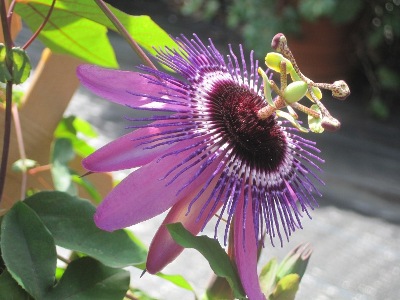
283	76
268	110
9	87
46	19
125	34
131	297
4	23
6	137
306	110
39	169
63	259
10	12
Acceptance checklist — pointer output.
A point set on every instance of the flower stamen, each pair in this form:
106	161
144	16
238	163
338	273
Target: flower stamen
289	95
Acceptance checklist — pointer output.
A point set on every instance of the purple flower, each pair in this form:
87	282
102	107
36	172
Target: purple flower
205	152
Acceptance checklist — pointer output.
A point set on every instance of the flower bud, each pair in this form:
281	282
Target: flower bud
295	262
286	288
295	91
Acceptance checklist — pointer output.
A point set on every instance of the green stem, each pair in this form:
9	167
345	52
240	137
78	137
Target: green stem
9	86
125	34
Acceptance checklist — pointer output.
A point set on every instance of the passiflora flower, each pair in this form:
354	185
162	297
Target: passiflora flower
204	152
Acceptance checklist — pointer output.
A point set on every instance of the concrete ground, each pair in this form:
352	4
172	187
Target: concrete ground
355	233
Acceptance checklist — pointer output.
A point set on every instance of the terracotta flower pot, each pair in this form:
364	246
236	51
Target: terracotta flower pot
322	50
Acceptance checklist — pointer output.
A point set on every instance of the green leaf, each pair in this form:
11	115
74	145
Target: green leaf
17	97
62	153
86	38
68	142
4	73
86	278
83	127
177	280
210	248
268	276
59	273
21	65
142	28
140	295
74	129
88	187
28	250
68	33
70	220
286	288
9	288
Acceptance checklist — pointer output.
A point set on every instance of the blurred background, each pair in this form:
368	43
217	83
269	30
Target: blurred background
358	38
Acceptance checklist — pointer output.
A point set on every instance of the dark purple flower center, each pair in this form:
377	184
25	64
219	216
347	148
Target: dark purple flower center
261	143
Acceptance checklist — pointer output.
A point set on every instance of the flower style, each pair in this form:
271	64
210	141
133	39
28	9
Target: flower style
205	152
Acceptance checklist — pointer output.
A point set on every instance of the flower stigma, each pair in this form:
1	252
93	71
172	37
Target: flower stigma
288	96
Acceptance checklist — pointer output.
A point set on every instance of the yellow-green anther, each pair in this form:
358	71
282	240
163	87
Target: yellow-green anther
267	87
315	124
292	120
294	75
317	93
273	61
295	91
292	112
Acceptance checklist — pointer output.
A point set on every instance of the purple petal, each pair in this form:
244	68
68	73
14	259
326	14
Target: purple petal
245	248
143	194
163	249
125	152
115	85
